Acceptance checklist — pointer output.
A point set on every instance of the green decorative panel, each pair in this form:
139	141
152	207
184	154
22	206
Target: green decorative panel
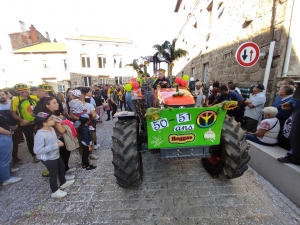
186	127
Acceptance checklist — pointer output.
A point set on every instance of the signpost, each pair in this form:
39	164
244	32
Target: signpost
247	54
246	91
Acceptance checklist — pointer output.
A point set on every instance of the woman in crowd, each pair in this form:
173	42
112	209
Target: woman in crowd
99	105
6	146
114	102
50	105
61	97
267	130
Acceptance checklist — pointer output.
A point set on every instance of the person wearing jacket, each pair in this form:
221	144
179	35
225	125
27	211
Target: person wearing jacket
46	148
86	142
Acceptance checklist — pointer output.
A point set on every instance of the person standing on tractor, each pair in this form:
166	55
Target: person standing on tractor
21	108
162	80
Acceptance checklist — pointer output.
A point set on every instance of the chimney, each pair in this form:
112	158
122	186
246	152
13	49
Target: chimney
33	35
22	25
48	36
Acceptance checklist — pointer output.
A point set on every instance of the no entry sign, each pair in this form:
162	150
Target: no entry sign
247	54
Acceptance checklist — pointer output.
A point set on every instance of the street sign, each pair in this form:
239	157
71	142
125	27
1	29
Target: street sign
246	91
247	54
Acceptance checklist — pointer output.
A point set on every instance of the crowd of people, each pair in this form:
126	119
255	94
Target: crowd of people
56	124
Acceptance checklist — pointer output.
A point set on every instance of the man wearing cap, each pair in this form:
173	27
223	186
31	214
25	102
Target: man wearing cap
34	91
45	90
21	108
254	107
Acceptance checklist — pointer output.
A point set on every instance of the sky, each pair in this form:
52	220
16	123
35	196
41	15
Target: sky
144	22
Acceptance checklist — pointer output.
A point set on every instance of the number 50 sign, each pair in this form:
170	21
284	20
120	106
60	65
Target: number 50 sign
159	124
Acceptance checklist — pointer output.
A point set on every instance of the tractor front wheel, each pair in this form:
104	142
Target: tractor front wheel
127	160
231	156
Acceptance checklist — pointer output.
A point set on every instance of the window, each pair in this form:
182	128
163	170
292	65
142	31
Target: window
102	81
195	25
101	61
119	80
85	61
66	64
46	65
205	73
209	9
87	81
117	61
182	73
193	72
61	87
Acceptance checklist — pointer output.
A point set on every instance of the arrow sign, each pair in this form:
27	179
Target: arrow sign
247	49
245	55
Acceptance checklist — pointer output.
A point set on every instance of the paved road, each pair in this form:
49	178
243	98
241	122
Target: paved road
175	192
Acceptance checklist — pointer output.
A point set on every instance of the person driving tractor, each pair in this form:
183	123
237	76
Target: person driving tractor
162	80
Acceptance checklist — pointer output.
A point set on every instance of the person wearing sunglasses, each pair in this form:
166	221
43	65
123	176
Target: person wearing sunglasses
21	108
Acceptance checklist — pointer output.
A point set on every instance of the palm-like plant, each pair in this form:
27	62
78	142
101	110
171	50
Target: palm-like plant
169	52
138	66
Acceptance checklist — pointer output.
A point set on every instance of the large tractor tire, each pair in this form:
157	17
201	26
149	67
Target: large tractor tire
127	160
231	156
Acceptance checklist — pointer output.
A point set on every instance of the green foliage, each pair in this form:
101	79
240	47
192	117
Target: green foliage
152	113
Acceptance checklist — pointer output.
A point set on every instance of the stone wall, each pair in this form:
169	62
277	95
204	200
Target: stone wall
219	51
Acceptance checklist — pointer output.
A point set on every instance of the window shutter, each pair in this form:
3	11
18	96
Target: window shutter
83	62
104	62
100	62
88	62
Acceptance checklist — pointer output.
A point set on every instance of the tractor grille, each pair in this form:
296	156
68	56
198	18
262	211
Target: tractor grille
184	153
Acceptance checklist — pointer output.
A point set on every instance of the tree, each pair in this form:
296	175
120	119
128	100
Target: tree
168	51
138	65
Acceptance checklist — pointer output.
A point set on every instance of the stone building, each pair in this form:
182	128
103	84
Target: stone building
99	60
26	38
212	30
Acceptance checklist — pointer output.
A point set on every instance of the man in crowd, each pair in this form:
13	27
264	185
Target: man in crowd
286	94
34	91
162	80
226	95
21	108
5	105
236	89
254	107
293	156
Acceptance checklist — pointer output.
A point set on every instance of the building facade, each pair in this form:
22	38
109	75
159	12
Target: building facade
212	30
99	60
43	63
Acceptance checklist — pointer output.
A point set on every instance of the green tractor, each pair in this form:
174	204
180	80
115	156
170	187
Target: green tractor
176	129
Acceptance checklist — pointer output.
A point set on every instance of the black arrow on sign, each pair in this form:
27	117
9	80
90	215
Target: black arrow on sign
245	56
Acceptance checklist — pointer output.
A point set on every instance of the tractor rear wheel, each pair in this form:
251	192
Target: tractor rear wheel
231	156
127	160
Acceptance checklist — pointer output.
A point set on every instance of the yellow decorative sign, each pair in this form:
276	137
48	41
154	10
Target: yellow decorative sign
181	138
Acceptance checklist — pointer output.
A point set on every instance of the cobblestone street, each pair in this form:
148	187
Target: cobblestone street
172	192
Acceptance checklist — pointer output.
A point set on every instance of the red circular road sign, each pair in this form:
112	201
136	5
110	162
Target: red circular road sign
247	54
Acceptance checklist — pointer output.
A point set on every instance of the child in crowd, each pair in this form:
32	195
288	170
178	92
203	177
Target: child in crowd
87	141
46	148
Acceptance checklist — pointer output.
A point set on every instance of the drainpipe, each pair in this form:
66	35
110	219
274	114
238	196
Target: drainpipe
290	43
271	49
269	64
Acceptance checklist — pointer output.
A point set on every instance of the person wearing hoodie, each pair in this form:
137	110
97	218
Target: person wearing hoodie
46	148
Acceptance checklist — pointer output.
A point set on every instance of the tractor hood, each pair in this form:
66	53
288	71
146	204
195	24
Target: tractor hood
170	97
